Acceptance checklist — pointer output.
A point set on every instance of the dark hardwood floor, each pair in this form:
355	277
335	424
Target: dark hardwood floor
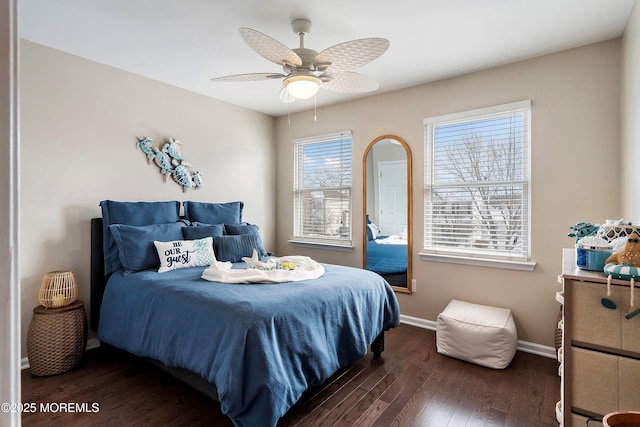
411	385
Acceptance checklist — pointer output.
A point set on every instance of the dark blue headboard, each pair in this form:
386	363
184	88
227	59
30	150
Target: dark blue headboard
98	281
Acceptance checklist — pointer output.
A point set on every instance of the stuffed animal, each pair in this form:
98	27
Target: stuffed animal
583	229
629	255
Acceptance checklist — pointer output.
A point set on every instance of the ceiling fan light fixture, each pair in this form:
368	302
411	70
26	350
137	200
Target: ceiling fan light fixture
302	86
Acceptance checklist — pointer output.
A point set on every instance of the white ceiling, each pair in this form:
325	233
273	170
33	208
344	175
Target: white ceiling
186	42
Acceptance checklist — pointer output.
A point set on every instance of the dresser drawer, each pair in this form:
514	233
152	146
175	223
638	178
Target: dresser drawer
595	324
595	383
604	383
629	375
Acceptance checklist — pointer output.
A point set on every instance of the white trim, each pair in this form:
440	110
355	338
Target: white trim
525	346
91	344
479	262
299	190
433	244
322	245
478	112
539	349
10	318
418	322
324	137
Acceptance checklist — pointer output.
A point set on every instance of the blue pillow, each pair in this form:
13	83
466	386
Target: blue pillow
214	213
136	250
369	232
245	228
201	231
233	248
131	213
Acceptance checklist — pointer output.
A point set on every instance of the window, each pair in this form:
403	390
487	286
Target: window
476	197
322	189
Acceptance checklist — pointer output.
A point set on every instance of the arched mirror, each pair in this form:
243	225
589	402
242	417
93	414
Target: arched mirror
386	166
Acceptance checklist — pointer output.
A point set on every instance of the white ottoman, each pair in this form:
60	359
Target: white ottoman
476	333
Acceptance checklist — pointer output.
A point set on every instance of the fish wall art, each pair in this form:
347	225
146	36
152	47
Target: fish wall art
170	162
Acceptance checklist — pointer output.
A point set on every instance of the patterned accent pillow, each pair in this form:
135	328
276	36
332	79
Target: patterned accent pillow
612	232
184	254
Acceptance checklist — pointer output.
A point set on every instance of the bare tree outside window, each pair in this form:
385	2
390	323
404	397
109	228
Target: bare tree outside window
476	184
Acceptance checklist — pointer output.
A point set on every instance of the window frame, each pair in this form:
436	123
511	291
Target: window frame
467	255
325	241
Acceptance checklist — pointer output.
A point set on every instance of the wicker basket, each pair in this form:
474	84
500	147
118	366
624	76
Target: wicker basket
58	288
558	332
56	339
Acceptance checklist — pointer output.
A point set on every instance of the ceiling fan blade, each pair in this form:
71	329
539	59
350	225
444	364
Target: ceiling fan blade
269	48
353	54
251	77
350	82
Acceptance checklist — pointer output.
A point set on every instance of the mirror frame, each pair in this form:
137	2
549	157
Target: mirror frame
409	288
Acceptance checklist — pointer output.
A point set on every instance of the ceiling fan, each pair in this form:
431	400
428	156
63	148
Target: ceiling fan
305	71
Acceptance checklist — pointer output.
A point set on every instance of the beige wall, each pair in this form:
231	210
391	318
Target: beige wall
80	120
575	159
79	125
630	123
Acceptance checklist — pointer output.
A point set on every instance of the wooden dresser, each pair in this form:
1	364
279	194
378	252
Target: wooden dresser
600	346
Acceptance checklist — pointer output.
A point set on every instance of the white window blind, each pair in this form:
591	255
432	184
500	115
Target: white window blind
322	189
477	200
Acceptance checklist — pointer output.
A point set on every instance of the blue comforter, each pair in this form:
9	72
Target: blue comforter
262	345
386	259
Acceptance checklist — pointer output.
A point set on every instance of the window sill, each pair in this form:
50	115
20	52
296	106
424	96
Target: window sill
322	245
479	262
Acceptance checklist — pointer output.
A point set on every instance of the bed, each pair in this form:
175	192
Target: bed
386	255
254	347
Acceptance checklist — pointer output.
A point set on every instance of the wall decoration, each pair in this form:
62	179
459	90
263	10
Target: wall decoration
170	162
144	144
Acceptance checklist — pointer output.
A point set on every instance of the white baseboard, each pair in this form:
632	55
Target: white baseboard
526	346
539	349
417	321
91	343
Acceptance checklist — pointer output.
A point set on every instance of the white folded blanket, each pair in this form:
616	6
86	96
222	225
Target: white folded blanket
391	240
306	269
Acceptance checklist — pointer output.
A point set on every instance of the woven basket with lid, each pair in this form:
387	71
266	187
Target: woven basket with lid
56	339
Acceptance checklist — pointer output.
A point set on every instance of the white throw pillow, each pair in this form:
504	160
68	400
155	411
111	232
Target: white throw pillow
184	254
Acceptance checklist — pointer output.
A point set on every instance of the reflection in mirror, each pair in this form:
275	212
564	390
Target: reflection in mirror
387	215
